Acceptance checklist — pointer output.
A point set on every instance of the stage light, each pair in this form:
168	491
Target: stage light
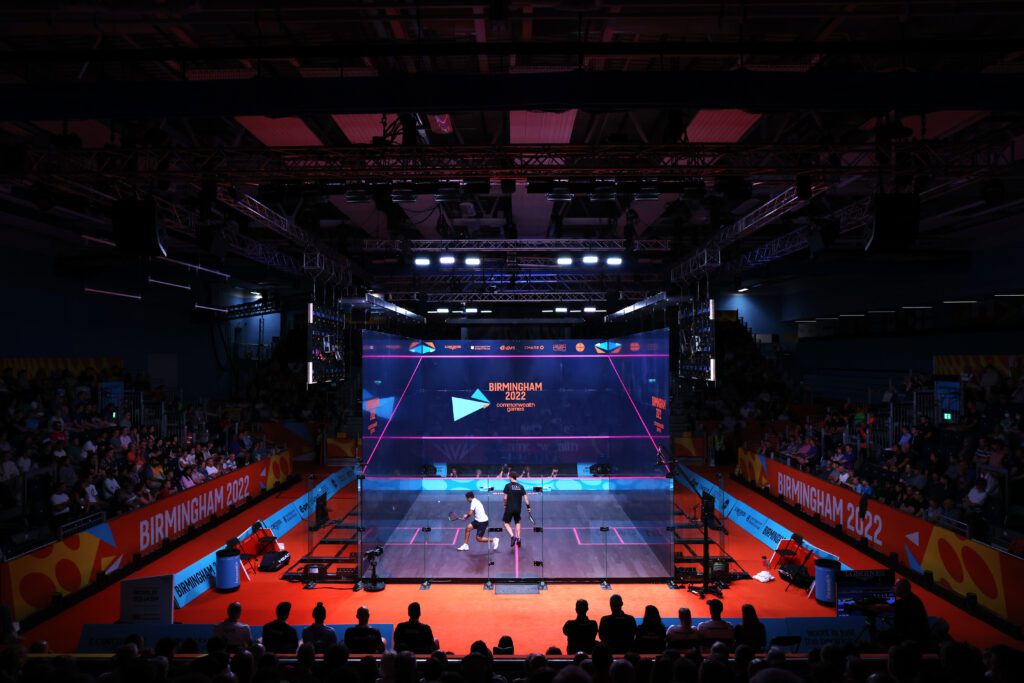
487	310
1008	295
561	309
564	260
547	310
403	195
442	310
960	301
471	310
851	315
804	321
422	260
560	193
590	309
357	195
741	290
881	311
472	261
613	260
446	259
107	292
917	308
591	259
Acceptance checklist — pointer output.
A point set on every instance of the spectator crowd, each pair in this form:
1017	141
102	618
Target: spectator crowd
65	455
617	649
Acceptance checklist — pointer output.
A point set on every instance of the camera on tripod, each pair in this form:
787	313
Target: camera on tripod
373	553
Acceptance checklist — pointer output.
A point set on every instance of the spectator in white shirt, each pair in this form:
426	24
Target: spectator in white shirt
210	469
110	486
60	502
978	493
24	463
8	468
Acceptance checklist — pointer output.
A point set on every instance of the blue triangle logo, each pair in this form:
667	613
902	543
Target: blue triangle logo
479	396
461	407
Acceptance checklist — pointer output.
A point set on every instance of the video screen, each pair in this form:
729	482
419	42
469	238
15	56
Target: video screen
865	593
577	406
326	360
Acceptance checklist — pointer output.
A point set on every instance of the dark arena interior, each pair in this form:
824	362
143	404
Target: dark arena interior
586	341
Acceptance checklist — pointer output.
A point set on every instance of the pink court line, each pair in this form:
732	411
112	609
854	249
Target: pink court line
512	438
616	530
414	535
393	412
525	476
637	410
519	355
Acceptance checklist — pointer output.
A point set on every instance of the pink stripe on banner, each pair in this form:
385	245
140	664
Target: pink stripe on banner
511	437
635	409
518	355
393	412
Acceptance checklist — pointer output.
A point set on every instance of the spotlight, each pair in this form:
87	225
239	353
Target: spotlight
357	195
741	290
472	260
446	259
559	193
564	260
561	309
613	260
403	195
590	309
471	310
422	260
591	259
442	310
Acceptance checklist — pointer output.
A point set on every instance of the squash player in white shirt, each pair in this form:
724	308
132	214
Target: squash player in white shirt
480	519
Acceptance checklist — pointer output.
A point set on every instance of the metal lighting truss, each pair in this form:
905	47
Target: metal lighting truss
651	301
252	309
527	280
709	257
316	259
509	297
517	245
419	163
856	216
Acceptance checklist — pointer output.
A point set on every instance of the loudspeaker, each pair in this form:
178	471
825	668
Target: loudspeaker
275	561
135	229
897	220
803	187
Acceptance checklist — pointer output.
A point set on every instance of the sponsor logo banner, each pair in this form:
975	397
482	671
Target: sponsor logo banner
29	582
957	563
197	578
760	526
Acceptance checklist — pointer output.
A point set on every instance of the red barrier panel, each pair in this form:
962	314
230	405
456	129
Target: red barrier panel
957	563
29	582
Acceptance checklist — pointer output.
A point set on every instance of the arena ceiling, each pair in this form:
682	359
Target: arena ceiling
335	141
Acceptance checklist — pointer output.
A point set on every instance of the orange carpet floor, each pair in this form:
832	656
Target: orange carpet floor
463	613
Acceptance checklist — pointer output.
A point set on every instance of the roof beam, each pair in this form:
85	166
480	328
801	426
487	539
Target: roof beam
748	90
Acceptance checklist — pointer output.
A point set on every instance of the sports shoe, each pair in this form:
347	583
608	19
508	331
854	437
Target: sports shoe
464	546
519	542
495	541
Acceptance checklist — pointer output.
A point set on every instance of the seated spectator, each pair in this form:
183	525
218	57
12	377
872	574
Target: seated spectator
414	635
618	629
751	631
580	632
363	638
505	646
910	620
683	634
236	635
278	635
60	504
715	628
318	634
650	634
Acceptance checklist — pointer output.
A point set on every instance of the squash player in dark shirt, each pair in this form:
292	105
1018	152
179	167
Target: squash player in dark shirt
515	495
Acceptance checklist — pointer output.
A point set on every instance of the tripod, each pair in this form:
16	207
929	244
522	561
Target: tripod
374	584
707	512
